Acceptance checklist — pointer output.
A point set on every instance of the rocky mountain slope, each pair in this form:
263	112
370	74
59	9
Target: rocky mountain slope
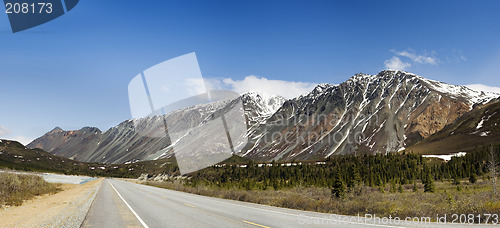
129	142
474	129
379	113
366	114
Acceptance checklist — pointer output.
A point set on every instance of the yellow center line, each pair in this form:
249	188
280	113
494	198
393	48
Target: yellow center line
189	205
255	224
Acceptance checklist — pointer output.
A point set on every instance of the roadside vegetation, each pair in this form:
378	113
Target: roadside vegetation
472	199
15	188
394	184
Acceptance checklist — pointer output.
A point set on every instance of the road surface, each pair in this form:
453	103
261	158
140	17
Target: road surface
123	204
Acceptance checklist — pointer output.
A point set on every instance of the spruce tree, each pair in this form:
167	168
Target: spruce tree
429	183
456	180
472	178
493	167
393	186
338	188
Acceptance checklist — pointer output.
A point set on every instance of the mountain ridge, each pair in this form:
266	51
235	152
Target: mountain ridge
353	105
378	113
123	144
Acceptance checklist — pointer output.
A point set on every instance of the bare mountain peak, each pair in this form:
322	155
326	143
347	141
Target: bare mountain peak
56	129
85	129
323	86
90	129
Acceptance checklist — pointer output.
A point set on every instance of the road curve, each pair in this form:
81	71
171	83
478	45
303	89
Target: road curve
124	204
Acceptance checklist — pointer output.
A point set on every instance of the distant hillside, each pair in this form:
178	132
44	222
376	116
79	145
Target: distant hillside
14	155
476	128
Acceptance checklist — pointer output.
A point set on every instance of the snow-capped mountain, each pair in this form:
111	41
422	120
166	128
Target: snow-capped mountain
379	113
129	141
366	114
260	106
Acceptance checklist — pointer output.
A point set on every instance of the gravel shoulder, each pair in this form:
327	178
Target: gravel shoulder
66	208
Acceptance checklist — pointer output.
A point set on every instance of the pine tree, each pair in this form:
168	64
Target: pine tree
353	176
472	178
381	189
338	188
493	168
393	186
429	183
456	180
415	188
276	185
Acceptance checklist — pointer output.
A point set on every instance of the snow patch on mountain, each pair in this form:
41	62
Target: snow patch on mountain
445	157
485	88
480	124
265	104
472	96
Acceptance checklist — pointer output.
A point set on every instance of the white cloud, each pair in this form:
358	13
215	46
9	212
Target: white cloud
457	56
4	130
165	88
422	59
286	89
23	140
395	63
411	58
481	87
195	86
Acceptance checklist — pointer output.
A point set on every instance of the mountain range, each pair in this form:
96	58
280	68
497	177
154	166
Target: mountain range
387	112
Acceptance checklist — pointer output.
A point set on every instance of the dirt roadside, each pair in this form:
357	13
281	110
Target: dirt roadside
66	208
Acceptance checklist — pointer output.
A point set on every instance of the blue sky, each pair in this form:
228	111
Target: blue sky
74	71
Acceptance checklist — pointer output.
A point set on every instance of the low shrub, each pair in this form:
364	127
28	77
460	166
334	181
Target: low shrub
15	188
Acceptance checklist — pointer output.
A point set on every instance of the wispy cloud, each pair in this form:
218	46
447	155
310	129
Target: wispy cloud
7	134
410	58
4	131
286	89
422	59
457	56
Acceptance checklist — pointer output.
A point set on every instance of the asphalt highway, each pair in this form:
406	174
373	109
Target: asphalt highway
124	204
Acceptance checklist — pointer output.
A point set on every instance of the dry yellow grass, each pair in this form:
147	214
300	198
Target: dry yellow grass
42	209
15	188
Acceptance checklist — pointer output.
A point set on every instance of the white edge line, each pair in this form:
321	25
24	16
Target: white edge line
129	207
